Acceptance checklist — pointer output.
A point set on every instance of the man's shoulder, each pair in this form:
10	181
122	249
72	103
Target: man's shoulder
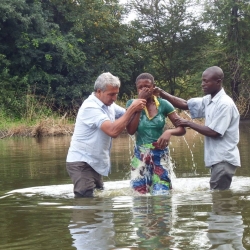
226	103
225	99
90	102
90	108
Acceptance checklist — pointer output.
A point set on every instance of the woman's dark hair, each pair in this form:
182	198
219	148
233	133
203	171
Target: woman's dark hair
145	76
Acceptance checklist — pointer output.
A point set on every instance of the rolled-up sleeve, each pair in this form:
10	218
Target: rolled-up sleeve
119	111
196	107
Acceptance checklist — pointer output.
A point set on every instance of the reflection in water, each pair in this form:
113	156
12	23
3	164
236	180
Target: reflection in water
225	225
141	221
91	227
191	217
152	219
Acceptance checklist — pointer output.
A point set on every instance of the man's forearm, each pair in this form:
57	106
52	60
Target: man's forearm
120	124
175	101
204	130
113	129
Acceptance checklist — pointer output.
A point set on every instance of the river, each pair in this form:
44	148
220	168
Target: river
38	211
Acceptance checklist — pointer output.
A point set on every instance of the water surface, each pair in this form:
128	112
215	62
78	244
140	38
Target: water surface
38	211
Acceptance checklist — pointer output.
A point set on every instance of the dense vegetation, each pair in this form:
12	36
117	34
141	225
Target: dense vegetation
51	51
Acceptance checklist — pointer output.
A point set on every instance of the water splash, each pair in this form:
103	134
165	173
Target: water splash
186	113
194	134
192	155
122	188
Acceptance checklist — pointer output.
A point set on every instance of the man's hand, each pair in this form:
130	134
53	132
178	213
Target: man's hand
138	104
156	91
181	122
174	100
144	93
204	130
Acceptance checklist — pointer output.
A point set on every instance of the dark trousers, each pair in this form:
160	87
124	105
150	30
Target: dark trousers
221	175
84	178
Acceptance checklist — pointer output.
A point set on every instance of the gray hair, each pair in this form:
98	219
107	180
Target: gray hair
106	79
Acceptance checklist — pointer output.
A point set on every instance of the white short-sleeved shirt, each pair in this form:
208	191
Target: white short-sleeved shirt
89	143
222	116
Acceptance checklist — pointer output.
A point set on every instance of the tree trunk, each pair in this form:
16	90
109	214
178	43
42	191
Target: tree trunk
233	55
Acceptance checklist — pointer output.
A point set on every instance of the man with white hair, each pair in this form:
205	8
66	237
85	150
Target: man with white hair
98	120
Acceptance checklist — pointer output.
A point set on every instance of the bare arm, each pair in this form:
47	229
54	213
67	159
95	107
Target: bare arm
133	124
113	129
204	130
175	101
182	104
164	139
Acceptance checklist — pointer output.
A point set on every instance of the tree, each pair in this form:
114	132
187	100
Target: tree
39	55
231	21
172	39
109	43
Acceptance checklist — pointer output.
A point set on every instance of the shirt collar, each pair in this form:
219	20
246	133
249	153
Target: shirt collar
217	96
157	104
97	100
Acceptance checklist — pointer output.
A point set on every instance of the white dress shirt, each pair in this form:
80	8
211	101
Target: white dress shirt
89	143
222	116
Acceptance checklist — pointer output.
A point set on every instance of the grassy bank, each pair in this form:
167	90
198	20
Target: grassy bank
46	126
49	126
33	117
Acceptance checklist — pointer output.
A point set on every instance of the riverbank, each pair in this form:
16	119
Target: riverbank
59	127
44	127
51	126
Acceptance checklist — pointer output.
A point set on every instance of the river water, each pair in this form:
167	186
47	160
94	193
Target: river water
38	211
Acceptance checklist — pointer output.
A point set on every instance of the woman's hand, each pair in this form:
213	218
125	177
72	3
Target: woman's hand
144	93
163	140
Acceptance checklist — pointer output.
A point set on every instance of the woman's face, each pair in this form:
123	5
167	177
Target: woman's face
145	84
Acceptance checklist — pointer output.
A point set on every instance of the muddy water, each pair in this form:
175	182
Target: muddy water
38	211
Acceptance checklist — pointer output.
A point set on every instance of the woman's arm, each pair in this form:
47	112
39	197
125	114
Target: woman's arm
133	124
131	127
164	139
